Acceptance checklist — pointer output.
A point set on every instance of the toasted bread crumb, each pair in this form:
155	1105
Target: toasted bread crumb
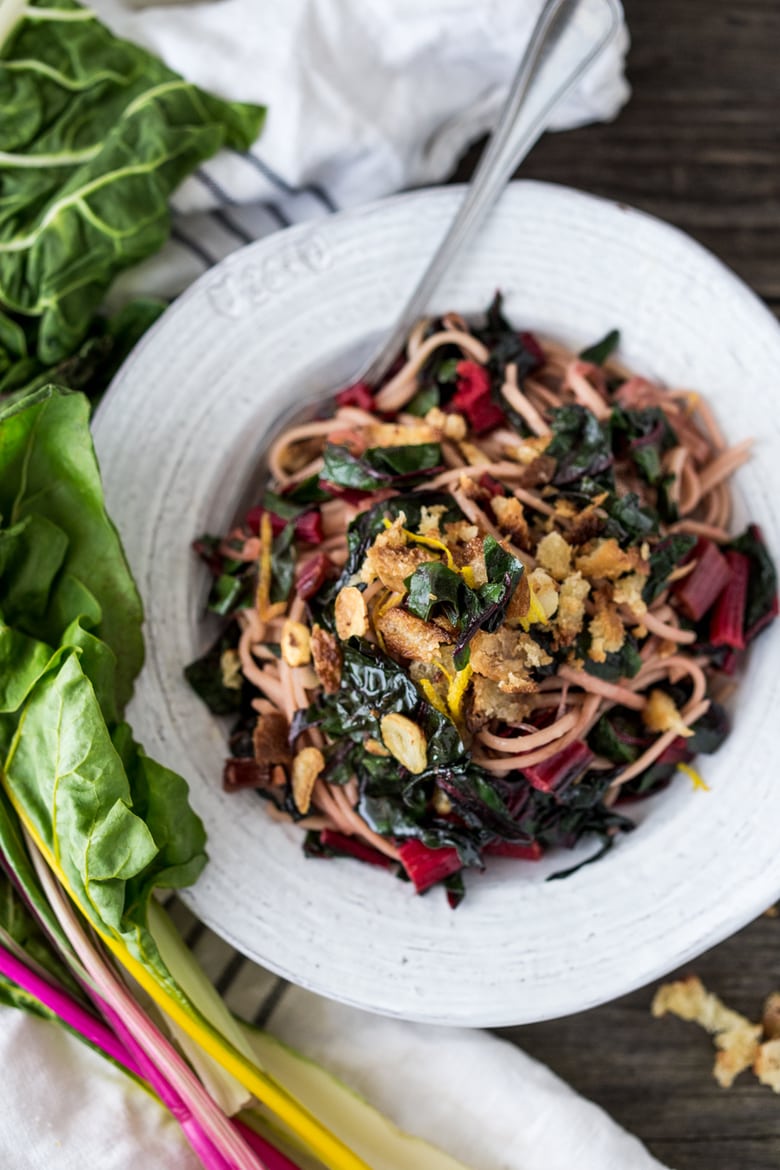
270	739
766	1065
735	1036
571	608
554	555
511	518
408	636
605	558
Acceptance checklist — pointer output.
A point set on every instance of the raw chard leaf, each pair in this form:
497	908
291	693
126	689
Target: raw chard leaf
103	132
49	470
31	555
63	768
93	365
664	558
24	660
598	353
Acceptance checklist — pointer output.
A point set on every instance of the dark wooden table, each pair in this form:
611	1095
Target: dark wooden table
699	146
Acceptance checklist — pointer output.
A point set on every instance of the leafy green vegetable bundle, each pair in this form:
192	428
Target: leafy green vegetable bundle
490	598
95	135
90	827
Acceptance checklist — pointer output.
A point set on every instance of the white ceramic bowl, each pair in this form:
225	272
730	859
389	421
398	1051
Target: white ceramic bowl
178	438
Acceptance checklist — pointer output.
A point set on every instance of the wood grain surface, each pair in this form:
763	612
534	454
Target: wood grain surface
699	146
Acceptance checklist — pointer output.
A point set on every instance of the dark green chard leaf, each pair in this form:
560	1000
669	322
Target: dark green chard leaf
423	401
125	131
664	559
628	521
205	676
436	381
599	353
709	731
647	434
583	450
392	800
32	553
307	492
229	592
379	466
579	813
283	560
761	601
619	736
283	506
505	342
434	585
623	663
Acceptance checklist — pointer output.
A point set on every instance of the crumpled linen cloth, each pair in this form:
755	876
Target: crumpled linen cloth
478	1097
365	97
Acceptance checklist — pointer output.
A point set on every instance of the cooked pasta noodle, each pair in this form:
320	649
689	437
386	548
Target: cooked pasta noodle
502	590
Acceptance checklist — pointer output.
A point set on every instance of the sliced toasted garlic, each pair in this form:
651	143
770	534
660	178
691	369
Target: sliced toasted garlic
230	669
441	802
375	748
406	741
306	767
296	643
326	656
351	613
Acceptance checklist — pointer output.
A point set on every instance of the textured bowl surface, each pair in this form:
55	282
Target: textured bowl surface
179	437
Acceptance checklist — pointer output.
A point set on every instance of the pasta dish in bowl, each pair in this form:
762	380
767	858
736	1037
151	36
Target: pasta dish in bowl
522	497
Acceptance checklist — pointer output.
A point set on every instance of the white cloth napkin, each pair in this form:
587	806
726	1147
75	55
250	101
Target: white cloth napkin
480	1099
365	97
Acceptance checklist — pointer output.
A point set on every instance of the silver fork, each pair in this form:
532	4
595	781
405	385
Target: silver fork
558	55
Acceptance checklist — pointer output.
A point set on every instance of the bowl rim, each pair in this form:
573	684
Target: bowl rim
742	909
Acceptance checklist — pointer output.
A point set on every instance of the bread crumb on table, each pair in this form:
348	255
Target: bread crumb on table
741	1043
